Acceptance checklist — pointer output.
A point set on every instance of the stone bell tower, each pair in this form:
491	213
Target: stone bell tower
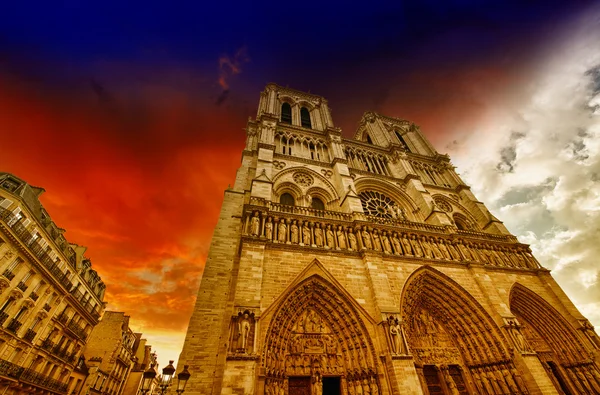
366	266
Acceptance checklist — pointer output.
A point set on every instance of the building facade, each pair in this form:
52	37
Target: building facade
110	354
366	266
50	297
143	357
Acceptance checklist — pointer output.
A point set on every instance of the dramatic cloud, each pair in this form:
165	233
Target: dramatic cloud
535	161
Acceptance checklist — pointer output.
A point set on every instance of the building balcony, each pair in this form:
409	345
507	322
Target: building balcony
9	369
8	274
30	335
47	307
3	317
47	345
22	286
39	380
34	296
14	325
77	330
62	318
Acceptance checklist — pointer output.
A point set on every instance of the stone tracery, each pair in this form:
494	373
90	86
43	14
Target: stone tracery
556	343
447	327
317	332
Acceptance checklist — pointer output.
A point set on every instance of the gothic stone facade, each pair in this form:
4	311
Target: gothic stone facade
366	266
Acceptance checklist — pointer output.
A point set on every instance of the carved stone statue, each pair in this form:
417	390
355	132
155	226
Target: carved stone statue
397	244
318	235
329	237
407	245
306	234
376	241
282	231
427	252
294	232
416	247
269	229
352	240
341	238
243	332
366	238
387	246
255	224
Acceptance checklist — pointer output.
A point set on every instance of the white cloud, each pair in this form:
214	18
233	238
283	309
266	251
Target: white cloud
535	162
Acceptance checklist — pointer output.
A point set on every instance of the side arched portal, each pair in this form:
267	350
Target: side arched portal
549	334
457	346
317	336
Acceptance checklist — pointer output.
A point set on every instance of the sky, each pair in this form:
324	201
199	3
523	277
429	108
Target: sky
131	115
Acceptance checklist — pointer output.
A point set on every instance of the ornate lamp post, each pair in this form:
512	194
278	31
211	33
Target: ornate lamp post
182	379
148	378
167	377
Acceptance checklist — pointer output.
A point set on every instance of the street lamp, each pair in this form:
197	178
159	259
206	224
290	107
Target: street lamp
167	377
182	379
148	378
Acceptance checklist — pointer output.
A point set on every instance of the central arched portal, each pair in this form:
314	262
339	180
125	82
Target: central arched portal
317	340
457	347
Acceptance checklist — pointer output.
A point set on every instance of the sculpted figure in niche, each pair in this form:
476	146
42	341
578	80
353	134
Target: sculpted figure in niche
437	254
318	235
396	335
427	252
269	229
366	387
358	387
374	387
352	240
255	224
329	236
387	246
366	238
294	232
450	383
444	249
350	385
341	238
406	245
376	241
454	254
282	231
243	331
416	247
396	243
306	234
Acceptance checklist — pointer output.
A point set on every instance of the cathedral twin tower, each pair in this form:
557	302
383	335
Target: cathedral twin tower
366	266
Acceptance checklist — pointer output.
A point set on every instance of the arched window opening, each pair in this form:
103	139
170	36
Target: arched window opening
287	199
401	141
283	145
369	139
461	223
305	118
286	113
317	204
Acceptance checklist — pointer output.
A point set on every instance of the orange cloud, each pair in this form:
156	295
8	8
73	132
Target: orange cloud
229	66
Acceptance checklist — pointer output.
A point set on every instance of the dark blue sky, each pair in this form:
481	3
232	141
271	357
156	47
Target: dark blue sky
353	55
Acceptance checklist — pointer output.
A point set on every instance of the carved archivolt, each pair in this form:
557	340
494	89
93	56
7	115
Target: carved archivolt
316	331
445	326
567	361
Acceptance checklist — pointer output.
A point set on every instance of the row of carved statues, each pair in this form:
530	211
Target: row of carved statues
338	237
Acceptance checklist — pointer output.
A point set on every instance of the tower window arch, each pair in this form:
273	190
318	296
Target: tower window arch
368	138
401	141
317	204
305	118
286	113
287	199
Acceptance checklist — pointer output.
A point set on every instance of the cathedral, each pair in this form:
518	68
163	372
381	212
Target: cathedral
366	266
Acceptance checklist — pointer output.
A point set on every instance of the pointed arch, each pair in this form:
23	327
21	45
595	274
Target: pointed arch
316	329
478	337
568	362
549	323
400	197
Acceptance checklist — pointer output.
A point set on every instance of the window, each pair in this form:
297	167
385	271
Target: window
369	139
286	113
286	199
402	142
305	118
317	204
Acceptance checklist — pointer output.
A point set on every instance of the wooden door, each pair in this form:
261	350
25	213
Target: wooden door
299	386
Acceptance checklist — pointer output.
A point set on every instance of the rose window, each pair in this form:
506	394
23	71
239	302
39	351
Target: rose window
377	204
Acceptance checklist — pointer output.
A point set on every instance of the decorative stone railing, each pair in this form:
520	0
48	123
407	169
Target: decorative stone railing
391	237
